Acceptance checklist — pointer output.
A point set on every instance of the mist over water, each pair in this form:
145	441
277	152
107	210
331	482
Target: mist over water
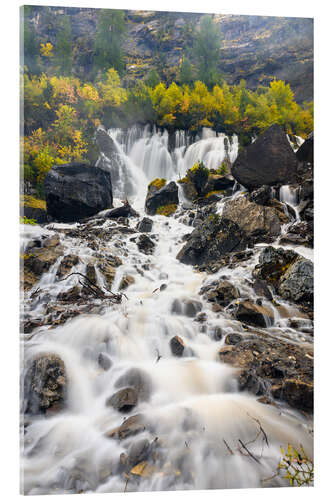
194	406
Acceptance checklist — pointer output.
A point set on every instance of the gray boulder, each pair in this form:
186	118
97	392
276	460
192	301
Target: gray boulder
75	191
268	161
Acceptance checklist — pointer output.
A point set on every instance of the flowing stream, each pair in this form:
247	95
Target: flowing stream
195	411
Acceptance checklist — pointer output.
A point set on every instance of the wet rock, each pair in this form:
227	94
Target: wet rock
177	346
51	241
145	244
262	195
108	271
124	211
158	197
123	400
201	317
137	379
268	161
214	238
126	281
145	225
300	233
66	265
222	292
260	287
219	183
253	314
233	338
297	393
266	364
259	223
232	260
305	151
71	295
191	307
105	143
104	361
37	262
138	452
91	271
273	262
297	282
45	384
75	191
130	427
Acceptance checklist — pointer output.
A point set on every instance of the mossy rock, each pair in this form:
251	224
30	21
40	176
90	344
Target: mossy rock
32	209
157	183
167	210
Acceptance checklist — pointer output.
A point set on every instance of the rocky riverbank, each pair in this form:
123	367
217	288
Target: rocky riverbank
143	326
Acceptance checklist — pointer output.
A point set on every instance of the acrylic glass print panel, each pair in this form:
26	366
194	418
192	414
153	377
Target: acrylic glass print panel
167	251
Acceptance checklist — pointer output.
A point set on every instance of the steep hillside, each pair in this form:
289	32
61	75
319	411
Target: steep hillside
253	47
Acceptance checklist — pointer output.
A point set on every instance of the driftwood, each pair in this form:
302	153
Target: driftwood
95	290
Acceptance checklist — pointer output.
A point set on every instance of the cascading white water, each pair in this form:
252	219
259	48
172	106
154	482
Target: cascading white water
194	406
145	154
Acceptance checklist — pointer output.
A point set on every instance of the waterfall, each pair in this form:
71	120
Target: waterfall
145	154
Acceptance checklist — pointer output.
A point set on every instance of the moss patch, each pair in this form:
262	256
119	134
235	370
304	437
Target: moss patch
31	202
214	192
167	209
158	183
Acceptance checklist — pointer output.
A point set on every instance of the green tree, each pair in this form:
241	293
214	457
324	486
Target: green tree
185	72
152	79
110	33
63	48
207	47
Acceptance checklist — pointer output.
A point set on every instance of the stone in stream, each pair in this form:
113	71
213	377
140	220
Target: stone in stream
222	292
38	261
261	289
211	240
45	384
145	225
161	195
66	265
130	427
104	361
137	379
75	191
123	400
145	244
270	160
126	281
138	452
177	346
259	223
253	314
274	368
124	211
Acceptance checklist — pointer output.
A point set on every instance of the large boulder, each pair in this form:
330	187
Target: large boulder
222	292
161	195
45	384
297	282
211	240
269	160
75	191
305	152
258	222
254	314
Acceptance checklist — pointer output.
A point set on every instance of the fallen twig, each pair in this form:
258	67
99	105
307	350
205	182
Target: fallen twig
248	451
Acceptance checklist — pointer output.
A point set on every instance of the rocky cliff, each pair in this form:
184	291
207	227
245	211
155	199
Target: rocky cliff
256	48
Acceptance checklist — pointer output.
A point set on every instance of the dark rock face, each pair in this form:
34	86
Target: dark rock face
210	241
145	225
290	274
297	282
177	346
38	214
261	195
253	314
273	368
222	292
305	152
45	384
259	223
37	262
105	143
156	198
219	183
138	380
123	400
268	161
75	191
261	289
273	262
